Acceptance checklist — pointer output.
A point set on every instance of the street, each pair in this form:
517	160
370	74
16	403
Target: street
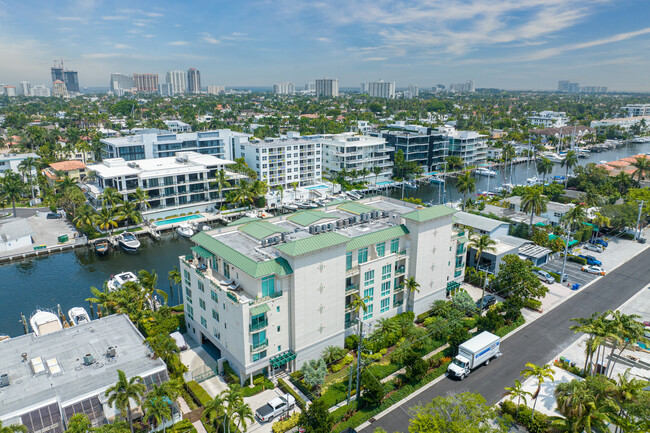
539	342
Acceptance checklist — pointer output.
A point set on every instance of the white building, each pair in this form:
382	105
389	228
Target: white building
181	183
381	89
413	91
634	110
357	152
11	161
178	81
554	211
284	89
548	119
327	87
14	234
176	126
469	145
219	143
283	161
622	122
215	90
121	83
41	91
10	91
26	88
466	87
274	293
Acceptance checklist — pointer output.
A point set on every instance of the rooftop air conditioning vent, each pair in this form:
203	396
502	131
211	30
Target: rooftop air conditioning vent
111	352
88	359
264	242
4	380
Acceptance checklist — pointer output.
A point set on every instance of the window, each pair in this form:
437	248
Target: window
394	245
268	286
368	295
190	312
385	288
368	314
202	304
215	315
348	261
201	286
258	321
186	274
277	308
259	339
385	305
363	255
279	348
214	296
260	355
188	294
397	284
204	322
369	278
381	249
385	271
278	329
226	269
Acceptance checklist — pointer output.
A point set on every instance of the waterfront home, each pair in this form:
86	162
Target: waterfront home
75	170
554	211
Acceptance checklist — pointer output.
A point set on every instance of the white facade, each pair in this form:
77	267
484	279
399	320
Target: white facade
41	91
327	87
381	89
549	119
357	152
10	91
121	82
283	161
634	110
11	162
215	90
467	86
177	126
178	81
623	122
469	145
284	89
281	288
25	88
413	91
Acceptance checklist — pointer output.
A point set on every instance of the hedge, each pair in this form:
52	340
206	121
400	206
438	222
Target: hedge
540	424
288	424
533	304
184	426
261	384
502	331
282	386
577	259
198	393
420	317
556	276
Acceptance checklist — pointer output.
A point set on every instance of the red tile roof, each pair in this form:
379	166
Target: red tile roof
68	165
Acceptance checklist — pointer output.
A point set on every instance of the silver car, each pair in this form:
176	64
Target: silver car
544	276
594	247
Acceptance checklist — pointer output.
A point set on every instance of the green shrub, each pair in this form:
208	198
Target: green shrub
421	317
165	323
288	424
198	393
577	259
540	424
282	386
184	426
351	342
260	382
230	374
533	304
501	332
556	276
347	359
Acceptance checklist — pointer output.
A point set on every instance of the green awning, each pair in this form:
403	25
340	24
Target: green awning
540	224
202	252
280	360
260	309
452	285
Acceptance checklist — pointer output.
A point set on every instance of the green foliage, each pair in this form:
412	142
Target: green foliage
314	372
317	419
351	342
197	392
462	301
230	374
416	367
285	388
491	321
287	424
504	330
184	426
347	359
576	259
260	382
540	424
373	391
534	304
458	337
164	321
517	280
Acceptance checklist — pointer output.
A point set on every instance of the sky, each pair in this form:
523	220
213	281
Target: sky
508	44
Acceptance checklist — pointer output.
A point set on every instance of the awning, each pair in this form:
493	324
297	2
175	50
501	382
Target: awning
260	309
202	252
452	285
280	360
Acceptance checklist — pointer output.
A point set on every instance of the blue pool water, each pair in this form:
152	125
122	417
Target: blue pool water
317	187
385	182
178	219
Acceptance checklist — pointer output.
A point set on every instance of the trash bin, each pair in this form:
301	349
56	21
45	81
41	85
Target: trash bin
576	286
63	238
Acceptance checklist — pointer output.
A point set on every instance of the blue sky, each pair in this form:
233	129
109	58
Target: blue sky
511	44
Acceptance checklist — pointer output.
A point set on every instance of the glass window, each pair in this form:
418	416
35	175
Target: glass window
385	288
268	285
348	261
204	322
368	295
381	249
259	338
278	328
186	274
394	245
363	255
201	286
190	312
369	278
214	296
215	315
226	269
368	314
385	305
385	271
188	294
202	304
277	308
260	355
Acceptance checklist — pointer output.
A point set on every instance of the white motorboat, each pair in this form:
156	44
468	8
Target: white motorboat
128	242
78	316
116	281
44	322
185	230
291	206
313	205
485	171
251	214
304	205
532	181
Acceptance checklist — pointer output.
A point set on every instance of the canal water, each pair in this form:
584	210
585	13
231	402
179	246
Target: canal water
66	278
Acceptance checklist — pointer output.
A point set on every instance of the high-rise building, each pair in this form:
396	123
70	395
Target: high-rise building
177	80
466	87
40	90
413	91
363	88
363	153
193	81
10	91
59	89
284	89
25	88
165	89
146	82
120	83
310	87
215	90
381	89
563	86
57	72
71	80
327	87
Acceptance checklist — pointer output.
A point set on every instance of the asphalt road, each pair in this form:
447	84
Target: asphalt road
539	342
24	212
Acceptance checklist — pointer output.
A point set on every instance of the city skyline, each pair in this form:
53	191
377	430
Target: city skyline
528	44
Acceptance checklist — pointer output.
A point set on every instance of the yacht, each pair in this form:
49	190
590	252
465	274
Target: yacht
116	281
291	206
185	230
485	171
101	246
78	316
44	322
532	181
128	242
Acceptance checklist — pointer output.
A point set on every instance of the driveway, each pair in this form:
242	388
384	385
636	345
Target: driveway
260	400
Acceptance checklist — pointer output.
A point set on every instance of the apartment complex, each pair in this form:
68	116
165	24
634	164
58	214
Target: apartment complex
146	82
327	87
193	80
381	89
357	152
58	89
12	162
466	87
468	145
177	81
284	89
273	294
549	119
423	145
182	182
121	83
160	144
283	161
215	90
634	110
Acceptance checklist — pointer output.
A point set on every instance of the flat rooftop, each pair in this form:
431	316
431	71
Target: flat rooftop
64	378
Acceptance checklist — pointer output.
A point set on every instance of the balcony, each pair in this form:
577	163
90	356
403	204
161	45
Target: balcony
400	270
353	270
258	347
349	324
398	288
398	303
258	326
351	289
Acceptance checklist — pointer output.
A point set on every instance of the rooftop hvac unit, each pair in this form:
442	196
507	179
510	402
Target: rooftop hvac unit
311	230
88	359
264	242
339	223
296	230
324	227
111	352
4	380
352	220
330	226
316	229
283	236
384	213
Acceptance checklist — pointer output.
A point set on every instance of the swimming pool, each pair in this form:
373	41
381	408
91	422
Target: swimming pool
178	219
317	187
385	182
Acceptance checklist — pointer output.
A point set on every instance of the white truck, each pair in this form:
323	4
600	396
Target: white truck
275	407
472	353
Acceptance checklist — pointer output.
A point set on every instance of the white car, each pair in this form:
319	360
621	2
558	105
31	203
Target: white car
593	269
595	248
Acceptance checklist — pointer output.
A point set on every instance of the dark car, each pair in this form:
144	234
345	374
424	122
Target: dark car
591	260
53	216
602	242
487	301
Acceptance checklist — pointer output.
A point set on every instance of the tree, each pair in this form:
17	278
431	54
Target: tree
149	281
601	220
517	391
373	391
358	303
544	167
79	423
84	216
412	287
213	410
111	197
642	166
12	188
294	185
465	184
123	392
174	277
157	408
581	405
242	413
454	162
105	219
416	367
221	182
516	279
482	243
129	212
376	171
570	160
464	412
314	372
332	353
140	198
540	373
534	201
26	166
632	400
13	428
232	398
463	302
317	418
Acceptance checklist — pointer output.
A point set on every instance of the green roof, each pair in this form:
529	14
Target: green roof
243	220
280	360
356	208
202	252
429	213
376	237
309	217
260	309
278	266
312	243
571	242
261	229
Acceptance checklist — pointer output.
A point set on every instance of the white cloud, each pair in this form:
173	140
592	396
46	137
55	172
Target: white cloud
375	59
80	19
179	43
207	37
324	39
115	18
122	47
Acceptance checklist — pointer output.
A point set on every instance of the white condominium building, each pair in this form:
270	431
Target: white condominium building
381	89
284	89
283	161
178	81
634	110
273	294
358	152
549	119
327	87
469	145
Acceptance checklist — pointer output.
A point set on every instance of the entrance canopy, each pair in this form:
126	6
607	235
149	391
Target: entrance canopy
280	360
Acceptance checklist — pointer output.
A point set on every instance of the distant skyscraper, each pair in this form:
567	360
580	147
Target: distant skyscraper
284	89
215	90
415	90
41	91
59	89
363	88
574	87
193	81
310	87
563	86
25	88
381	89
327	87
467	86
57	72
146	82
165	89
121	83
10	91
177	80
71	80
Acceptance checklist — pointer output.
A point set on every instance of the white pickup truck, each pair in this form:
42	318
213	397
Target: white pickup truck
472	353
275	407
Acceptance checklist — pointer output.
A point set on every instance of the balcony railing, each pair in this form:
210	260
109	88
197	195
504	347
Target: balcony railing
349	324
398	303
258	347
400	270
351	288
258	326
352	270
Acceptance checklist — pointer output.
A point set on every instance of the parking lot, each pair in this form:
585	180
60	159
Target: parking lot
573	271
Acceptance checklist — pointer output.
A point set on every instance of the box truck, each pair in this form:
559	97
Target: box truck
472	353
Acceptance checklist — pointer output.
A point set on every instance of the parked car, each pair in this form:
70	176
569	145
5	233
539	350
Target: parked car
544	276
594	247
593	270
591	260
53	216
275	407
601	242
487	301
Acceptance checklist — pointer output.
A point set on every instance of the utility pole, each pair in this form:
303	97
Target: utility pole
637	232
487	269
359	348
566	251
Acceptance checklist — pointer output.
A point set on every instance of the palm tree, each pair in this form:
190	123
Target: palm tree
332	353
174	277
242	413
129	212
105	219
580	406
148	281
541	373
465	184
102	299
642	165
587	325
294	185
233	398
13	428
111	197
259	189
534	201
213	410
519	393
123	392
385	326
627	391
280	189
221	182
12	188
157	408
412	287
84	216
623	182
482	243
166	349
376	171
570	160
243	193
544	167
630	331
27	165
140	198
575	215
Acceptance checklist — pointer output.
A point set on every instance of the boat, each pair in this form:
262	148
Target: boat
185	230
291	206
44	322
101	246
251	214
485	171
204	228
313	205
128	242
411	185
531	181
436	179
78	316
303	205
4	337
116	281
